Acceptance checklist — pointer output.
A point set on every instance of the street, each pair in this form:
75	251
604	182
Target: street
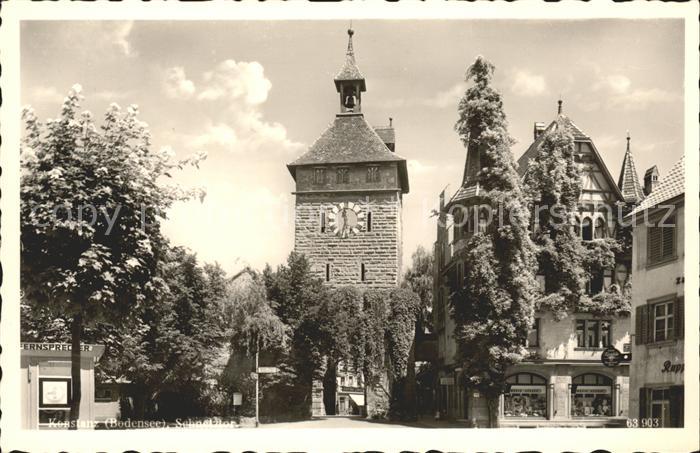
334	422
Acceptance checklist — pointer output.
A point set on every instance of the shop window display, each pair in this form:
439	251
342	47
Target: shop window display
591	396
526	396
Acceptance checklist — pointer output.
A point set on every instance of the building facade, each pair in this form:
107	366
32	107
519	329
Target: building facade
562	382
46	392
657	370
349	191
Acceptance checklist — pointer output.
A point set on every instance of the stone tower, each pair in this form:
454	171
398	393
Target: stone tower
349	188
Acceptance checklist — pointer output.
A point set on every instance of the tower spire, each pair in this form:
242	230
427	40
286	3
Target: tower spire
350	52
629	180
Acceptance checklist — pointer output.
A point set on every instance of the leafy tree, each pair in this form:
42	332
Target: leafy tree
494	309
553	186
91	203
296	297
419	279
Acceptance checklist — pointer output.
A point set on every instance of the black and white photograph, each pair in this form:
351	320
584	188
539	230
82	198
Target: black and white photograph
256	232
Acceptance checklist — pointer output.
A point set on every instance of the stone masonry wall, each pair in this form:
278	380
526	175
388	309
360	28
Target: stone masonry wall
379	250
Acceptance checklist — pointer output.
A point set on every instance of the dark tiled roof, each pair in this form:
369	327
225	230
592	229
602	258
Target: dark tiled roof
463	193
628	182
535	146
386	134
579	136
670	187
350	139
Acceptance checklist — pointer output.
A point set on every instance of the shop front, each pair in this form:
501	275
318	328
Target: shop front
47	386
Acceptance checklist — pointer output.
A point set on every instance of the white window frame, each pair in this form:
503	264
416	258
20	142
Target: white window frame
668	331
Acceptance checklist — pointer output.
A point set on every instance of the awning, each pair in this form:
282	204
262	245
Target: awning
358	399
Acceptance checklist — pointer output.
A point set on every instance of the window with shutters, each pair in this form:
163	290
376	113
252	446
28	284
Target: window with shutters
659	320
663	321
661	242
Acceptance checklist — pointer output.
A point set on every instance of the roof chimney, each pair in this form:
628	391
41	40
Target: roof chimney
538	129
391	120
560	102
651	180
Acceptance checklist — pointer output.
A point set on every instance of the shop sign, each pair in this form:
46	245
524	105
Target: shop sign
52	347
593	389
612	357
447	381
527	389
670	367
267	369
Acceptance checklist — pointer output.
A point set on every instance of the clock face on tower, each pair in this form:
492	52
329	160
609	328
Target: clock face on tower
346	218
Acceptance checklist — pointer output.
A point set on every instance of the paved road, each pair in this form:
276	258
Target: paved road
333	422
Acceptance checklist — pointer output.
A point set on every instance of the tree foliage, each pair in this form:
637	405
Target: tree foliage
91	204
494	309
553	187
419	279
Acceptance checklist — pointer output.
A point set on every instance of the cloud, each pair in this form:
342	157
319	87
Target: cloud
118	33
447	98
641	99
528	84
236	80
177	85
616	83
214	134
48	95
239	127
416	167
442	99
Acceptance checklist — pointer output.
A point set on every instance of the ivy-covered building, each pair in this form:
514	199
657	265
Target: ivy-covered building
562	381
349	188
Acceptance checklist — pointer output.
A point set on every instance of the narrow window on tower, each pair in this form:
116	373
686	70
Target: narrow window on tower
328	272
342	175
362	272
369	222
322	221
319	175
372	173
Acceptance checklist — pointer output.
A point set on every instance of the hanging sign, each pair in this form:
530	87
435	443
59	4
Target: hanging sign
612	357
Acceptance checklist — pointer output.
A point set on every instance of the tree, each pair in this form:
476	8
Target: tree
493	311
553	186
296	297
419	279
91	206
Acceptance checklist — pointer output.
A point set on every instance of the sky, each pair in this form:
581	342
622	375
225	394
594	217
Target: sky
254	95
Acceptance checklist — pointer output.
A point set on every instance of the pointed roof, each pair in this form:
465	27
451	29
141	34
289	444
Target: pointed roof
628	182
350	71
350	139
672	186
578	135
